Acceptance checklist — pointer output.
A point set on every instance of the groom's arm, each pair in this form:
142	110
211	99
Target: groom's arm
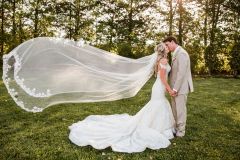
182	61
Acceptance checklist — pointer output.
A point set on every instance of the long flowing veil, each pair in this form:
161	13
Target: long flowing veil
45	71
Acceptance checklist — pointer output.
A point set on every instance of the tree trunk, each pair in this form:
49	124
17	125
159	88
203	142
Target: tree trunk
2	28
170	18
77	20
112	28
14	20
130	24
213	25
215	17
180	28
70	19
206	24
21	32
36	20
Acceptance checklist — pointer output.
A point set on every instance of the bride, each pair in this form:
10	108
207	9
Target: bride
152	127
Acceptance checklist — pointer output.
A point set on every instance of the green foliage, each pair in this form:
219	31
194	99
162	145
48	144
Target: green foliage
125	50
207	28
235	58
195	52
212	126
212	61
122	27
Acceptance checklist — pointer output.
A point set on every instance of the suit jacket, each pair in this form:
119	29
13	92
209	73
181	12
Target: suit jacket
180	75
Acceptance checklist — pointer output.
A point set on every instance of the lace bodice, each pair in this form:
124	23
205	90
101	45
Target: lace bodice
166	66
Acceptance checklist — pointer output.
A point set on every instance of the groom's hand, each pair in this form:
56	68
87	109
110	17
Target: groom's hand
174	94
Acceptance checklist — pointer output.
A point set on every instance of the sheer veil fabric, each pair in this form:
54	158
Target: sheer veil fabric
45	71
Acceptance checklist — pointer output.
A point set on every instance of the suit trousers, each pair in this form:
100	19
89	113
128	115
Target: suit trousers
179	110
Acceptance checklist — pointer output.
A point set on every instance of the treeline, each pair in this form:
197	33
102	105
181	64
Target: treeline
208	29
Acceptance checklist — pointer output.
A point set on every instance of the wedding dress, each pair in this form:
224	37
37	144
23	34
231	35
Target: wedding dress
45	71
151	127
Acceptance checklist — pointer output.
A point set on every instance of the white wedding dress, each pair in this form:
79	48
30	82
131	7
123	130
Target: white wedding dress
151	127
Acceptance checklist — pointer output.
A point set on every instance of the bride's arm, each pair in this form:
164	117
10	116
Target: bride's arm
162	73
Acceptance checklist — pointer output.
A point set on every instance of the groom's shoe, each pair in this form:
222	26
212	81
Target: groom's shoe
180	134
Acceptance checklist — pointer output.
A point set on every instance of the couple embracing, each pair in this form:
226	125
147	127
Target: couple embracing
157	122
180	82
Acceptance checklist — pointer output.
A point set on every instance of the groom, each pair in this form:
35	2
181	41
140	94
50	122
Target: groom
181	83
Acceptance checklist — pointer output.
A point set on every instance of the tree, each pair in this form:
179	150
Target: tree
232	17
212	50
235	58
206	23
2	27
180	22
74	17
171	14
124	26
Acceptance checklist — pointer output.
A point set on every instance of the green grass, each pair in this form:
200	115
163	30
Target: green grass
213	126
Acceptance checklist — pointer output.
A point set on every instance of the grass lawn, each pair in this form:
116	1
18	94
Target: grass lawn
213	126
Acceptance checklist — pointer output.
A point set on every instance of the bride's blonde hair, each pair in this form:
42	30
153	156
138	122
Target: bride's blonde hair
161	53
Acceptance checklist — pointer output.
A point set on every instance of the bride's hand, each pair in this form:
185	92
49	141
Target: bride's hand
172	93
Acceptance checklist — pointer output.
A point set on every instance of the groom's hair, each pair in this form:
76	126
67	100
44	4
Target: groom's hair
170	39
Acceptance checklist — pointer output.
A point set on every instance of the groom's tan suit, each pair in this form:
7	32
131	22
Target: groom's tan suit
180	81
